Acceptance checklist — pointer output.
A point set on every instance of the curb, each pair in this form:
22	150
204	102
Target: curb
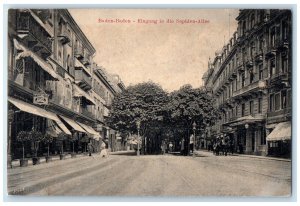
15	163
209	154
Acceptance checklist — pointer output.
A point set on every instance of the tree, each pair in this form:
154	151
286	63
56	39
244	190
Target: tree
188	105
23	136
35	136
143	102
48	139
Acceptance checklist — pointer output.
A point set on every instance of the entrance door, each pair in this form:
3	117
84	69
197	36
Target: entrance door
253	141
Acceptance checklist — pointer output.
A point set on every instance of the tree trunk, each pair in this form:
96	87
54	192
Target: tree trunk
48	150
73	146
23	150
62	147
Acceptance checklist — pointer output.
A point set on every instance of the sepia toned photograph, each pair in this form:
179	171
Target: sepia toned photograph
149	102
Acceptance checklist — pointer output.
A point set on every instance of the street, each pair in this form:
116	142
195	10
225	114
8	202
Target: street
155	175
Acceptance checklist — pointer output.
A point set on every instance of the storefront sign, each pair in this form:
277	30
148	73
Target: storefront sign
40	99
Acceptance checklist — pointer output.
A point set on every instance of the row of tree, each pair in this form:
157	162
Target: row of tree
162	115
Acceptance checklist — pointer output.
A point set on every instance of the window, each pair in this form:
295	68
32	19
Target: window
272	67
283	99
252	20
273	37
260	72
251	74
284	31
244	27
68	63
236	111
277	101
243	78
261	15
284	64
252	49
263	136
251	107
243	110
261	44
259	105
271	102
289	98
244	53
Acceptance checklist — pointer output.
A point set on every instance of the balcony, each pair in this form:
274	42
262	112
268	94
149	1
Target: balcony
79	54
258	56
254	87
64	35
83	79
280	115
279	78
43	14
249	63
282	44
241	68
86	60
33	34
271	51
86	113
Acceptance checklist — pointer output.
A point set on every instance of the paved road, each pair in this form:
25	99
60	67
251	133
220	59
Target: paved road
122	175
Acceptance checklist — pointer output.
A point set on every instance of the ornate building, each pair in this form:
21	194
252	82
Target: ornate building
54	85
250	79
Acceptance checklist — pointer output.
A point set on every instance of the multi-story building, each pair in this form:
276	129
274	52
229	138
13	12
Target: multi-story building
54	87
251	82
105	87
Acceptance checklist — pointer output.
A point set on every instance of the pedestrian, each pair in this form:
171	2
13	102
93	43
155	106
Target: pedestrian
90	148
182	147
170	147
163	147
104	152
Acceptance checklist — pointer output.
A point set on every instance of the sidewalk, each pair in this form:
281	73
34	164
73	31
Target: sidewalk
206	153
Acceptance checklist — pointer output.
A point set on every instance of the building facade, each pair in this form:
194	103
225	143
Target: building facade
250	79
54	86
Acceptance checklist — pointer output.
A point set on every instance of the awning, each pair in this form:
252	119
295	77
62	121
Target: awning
49	30
90	130
52	129
78	92
80	65
245	120
73	124
29	108
282	131
27	53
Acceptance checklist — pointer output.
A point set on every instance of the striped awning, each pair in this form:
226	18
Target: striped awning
32	109
282	131
27	53
90	130
78	92
73	124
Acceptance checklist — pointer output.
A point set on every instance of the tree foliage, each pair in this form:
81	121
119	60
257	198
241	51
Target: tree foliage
188	105
162	115
143	102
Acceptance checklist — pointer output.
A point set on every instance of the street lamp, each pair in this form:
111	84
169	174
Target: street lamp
194	129
138	124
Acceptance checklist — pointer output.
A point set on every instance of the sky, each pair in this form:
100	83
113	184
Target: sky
129	43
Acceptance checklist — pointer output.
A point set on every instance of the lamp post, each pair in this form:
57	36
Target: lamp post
138	124
194	139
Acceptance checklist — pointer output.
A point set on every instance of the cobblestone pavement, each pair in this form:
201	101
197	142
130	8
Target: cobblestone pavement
155	175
